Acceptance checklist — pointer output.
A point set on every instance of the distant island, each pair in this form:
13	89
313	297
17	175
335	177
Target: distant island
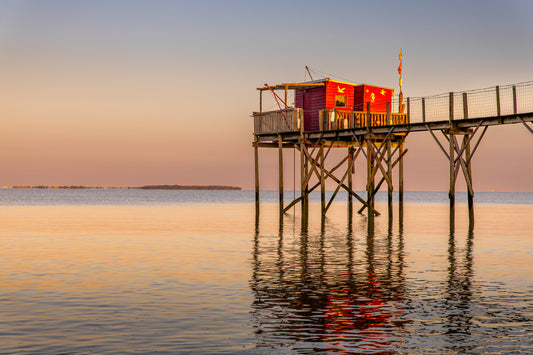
147	187
187	187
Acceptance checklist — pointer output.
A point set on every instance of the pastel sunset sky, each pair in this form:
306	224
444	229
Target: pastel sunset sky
128	92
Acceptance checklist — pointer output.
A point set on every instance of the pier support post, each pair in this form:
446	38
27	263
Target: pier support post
400	182
322	182
468	177
303	174
451	193
350	183
256	162
280	148
370	177
389	165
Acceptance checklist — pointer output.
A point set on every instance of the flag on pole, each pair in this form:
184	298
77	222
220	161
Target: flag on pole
400	67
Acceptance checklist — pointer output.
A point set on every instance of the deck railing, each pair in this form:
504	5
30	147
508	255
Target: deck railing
273	122
333	120
278	122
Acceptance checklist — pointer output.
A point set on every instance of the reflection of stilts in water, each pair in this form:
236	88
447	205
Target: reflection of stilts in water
459	290
364	312
314	290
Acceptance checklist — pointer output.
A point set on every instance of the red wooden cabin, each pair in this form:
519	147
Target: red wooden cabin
333	95
339	96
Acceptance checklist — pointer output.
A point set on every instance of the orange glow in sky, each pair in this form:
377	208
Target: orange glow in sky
131	93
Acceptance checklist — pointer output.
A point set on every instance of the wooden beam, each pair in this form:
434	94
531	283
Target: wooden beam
350	166
359	198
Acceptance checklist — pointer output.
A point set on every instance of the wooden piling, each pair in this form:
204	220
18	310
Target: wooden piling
369	164
350	183
370	177
389	164
466	141
322	182
280	168
400	180
304	167
451	193
256	161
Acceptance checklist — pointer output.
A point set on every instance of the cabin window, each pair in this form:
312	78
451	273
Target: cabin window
340	100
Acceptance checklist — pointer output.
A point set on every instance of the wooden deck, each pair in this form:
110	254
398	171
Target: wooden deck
290	121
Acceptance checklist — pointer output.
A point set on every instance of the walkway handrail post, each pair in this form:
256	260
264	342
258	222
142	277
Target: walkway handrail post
423	109
498	107
465	106
515	106
389	120
368	119
451	106
408	110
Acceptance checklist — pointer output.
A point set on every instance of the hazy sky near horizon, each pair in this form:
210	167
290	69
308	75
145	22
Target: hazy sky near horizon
125	93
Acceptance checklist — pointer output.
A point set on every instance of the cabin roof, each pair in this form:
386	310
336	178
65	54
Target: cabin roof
302	86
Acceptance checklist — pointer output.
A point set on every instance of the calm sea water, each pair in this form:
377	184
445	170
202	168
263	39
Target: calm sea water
132	271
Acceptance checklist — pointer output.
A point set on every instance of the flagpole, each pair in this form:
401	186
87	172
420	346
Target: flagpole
401	106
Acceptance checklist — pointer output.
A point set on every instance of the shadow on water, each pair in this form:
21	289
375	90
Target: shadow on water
343	289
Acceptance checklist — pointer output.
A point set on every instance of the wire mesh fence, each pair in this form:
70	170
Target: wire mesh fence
488	102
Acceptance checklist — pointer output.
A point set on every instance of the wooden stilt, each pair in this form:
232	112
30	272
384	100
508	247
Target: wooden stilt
256	160
400	181
304	173
389	173
451	193
322	182
370	177
389	165
469	178
350	163
280	148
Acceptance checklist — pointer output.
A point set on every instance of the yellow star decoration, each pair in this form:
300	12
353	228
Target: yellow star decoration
340	90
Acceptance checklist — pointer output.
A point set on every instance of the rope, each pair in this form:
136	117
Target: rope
279	98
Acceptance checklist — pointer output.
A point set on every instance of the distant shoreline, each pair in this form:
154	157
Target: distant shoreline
147	187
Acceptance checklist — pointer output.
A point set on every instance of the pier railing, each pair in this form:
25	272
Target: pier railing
489	102
333	119
482	103
288	120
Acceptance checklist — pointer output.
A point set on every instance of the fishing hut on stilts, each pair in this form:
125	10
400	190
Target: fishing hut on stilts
330	114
